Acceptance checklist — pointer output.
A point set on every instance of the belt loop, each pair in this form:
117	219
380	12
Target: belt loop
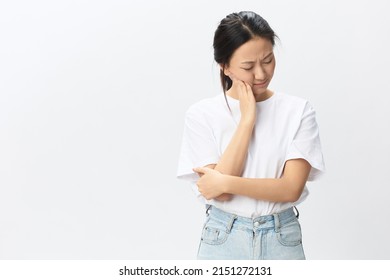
296	209
208	208
276	222
230	224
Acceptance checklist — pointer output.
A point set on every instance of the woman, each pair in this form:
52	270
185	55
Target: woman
249	152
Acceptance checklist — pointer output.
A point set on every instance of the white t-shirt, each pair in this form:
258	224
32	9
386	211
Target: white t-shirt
285	129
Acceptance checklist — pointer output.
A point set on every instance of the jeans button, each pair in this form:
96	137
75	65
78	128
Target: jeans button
256	224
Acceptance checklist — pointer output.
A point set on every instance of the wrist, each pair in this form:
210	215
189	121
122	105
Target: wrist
226	183
248	123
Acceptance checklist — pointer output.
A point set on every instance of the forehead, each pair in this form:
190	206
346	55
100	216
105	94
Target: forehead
254	49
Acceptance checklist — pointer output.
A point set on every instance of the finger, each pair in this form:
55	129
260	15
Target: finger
199	170
248	87
235	80
241	86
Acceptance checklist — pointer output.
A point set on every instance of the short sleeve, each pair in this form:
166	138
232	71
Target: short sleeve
306	143
198	146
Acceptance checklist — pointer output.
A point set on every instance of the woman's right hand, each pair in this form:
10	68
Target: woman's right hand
247	100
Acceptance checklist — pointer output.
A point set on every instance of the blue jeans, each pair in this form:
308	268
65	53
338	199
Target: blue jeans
271	237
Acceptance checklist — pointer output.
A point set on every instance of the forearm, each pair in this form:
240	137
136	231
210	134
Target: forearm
233	159
288	188
275	190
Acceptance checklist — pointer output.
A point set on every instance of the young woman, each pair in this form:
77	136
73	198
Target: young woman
249	152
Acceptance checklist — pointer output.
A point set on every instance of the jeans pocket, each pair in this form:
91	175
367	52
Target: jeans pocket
290	234
214	233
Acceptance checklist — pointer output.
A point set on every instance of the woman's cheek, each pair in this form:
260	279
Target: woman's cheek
247	79
244	76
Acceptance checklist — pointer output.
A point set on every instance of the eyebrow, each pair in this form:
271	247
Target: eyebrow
251	62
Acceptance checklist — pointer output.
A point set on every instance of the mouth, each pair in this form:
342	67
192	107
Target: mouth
263	84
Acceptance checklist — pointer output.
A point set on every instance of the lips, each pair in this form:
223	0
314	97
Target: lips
260	84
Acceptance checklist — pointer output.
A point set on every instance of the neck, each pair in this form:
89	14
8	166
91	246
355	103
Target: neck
263	96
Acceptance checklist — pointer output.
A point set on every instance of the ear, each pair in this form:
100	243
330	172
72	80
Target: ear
225	69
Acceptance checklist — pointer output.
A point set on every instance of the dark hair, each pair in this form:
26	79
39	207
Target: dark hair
235	30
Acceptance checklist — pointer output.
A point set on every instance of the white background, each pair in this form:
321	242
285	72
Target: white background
92	103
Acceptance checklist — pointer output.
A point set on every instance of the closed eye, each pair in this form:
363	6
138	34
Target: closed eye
268	61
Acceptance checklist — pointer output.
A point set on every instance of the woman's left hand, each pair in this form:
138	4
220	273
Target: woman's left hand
211	183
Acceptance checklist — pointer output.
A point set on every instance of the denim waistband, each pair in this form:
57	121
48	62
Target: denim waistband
262	222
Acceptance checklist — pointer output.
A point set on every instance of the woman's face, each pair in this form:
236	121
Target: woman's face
253	63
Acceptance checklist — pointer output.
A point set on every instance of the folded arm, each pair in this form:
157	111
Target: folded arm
233	158
288	188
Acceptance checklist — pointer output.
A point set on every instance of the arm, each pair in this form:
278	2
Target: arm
288	188
233	158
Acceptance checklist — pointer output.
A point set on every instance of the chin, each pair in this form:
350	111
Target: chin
259	91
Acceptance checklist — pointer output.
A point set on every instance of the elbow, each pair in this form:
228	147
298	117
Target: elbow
292	197
294	193
287	198
224	197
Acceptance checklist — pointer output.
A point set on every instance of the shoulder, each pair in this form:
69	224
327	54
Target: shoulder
292	103
204	107
292	100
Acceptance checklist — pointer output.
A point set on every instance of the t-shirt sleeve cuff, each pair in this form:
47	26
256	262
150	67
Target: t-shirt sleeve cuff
314	159
186	172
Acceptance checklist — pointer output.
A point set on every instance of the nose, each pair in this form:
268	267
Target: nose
260	74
